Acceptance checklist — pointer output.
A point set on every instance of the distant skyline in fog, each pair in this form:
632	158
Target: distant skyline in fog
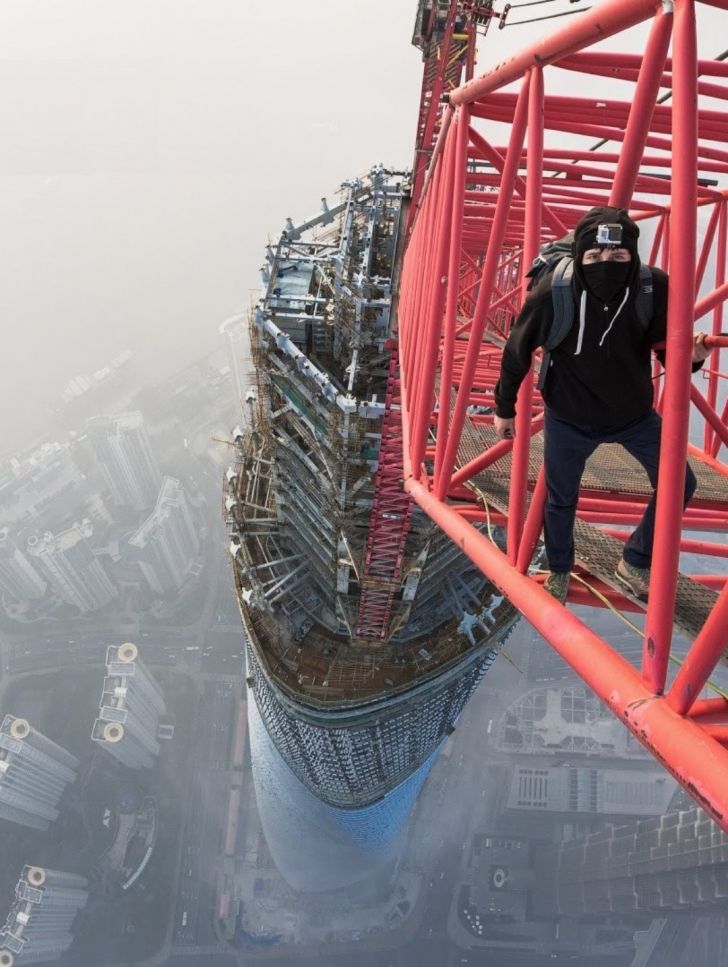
151	147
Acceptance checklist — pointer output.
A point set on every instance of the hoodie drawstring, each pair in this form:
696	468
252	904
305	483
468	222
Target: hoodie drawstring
582	320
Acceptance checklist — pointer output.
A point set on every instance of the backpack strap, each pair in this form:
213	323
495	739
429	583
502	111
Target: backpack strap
563	303
644	301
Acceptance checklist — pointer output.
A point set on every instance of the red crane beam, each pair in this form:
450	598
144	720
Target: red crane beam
449	46
482	212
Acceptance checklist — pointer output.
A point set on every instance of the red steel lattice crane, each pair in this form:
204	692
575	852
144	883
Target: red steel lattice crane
514	164
447	40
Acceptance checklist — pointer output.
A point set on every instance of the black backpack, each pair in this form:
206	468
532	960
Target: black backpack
557	258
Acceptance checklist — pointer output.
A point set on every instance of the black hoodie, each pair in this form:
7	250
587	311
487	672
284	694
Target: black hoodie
601	377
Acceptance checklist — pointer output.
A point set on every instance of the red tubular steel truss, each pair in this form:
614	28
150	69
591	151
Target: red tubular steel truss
515	164
448	47
448	50
388	524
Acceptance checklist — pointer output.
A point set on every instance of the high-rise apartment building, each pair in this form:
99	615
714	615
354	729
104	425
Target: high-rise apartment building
589	789
67	561
676	862
43	478
18	577
126	458
235	331
34	771
39	925
167	541
130	708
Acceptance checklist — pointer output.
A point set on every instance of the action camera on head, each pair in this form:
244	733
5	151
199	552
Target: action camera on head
609	234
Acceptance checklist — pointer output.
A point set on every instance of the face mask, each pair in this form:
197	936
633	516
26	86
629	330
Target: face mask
607	280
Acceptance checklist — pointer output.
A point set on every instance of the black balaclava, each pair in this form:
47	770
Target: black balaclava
606	280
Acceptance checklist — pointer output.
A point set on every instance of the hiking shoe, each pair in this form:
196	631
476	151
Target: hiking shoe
557	585
636	580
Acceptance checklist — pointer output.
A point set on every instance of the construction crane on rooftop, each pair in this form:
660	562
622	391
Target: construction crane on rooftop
482	203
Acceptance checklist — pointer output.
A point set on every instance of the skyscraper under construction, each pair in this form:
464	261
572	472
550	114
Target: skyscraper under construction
670	863
367	630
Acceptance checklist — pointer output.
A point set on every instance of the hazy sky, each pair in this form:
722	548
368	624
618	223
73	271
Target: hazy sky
150	147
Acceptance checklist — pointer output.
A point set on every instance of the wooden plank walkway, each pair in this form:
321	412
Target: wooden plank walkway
610	470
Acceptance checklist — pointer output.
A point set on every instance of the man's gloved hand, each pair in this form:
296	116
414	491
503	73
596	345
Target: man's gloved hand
700	350
505	428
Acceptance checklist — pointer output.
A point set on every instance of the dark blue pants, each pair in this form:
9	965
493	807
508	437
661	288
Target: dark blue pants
566	450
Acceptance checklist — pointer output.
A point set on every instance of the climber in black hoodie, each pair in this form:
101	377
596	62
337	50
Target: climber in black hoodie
598	384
